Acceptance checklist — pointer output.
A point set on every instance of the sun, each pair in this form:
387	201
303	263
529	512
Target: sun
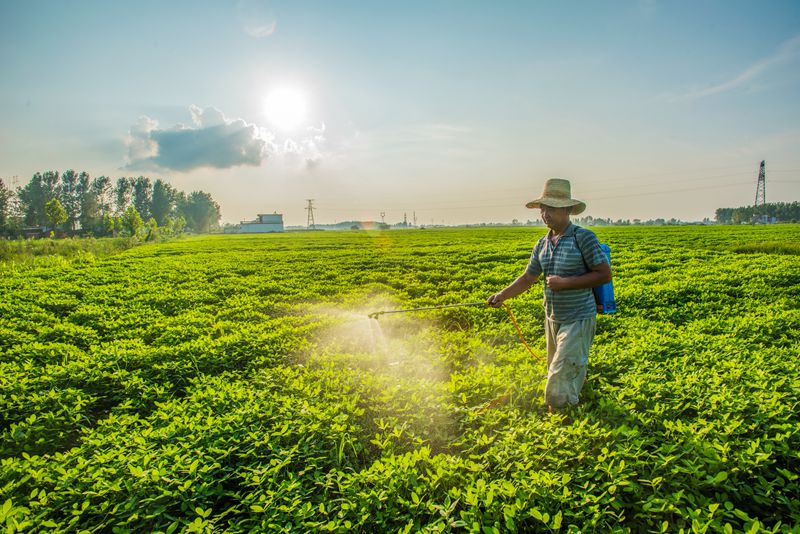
286	108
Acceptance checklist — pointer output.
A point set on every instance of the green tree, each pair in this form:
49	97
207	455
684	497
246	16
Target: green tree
90	217
132	223
152	230
174	225
163	201
69	194
109	225
723	215
6	203
142	196
56	214
35	195
103	191
122	194
202	214
91	220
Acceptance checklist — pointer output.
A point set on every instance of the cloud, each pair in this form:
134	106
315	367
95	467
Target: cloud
213	141
788	51
256	18
308	152
140	145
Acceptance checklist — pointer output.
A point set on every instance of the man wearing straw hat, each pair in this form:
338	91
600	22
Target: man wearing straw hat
572	262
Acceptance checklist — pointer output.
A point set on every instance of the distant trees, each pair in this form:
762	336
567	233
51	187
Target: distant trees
122	193
132	224
56	214
142	196
162	202
103	207
781	211
6	206
200	211
90	215
34	197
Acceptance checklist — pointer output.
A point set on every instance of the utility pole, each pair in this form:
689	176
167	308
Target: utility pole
310	209
760	208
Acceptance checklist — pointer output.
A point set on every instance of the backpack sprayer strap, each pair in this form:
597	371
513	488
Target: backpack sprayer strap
578	246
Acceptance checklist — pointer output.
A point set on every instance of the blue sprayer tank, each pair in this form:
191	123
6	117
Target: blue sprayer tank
604	295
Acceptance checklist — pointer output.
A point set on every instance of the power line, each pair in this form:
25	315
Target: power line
514	202
519	204
671	191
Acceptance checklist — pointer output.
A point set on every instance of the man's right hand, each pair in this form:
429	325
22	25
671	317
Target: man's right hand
495	301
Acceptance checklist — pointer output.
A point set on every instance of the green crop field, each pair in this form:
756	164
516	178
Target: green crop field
235	384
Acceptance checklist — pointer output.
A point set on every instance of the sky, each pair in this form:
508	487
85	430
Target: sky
452	112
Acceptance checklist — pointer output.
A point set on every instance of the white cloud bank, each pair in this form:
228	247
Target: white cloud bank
215	141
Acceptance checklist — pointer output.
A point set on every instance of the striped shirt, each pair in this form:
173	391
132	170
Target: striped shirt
564	259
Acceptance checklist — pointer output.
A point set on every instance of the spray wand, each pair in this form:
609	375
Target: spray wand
375	316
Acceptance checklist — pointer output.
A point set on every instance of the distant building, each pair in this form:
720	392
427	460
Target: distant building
29	232
264	223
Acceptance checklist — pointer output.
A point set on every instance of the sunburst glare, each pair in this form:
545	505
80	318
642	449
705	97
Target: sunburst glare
286	108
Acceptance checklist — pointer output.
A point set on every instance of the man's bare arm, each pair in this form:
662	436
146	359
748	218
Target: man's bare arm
517	287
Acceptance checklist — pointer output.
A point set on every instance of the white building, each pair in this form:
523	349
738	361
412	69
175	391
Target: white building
264	223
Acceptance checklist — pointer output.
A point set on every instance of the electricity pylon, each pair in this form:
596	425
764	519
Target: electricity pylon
760	208
310	209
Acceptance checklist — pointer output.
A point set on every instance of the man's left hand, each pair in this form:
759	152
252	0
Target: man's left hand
557	283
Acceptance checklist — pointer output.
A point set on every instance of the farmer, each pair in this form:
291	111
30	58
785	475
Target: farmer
572	263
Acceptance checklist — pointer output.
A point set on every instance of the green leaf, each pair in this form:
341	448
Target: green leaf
557	521
5	509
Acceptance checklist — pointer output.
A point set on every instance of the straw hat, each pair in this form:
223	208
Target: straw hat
557	194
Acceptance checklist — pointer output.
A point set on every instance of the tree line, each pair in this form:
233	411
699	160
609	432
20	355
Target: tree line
774	211
73	203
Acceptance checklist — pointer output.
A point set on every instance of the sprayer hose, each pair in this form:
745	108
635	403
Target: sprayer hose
494	403
519	331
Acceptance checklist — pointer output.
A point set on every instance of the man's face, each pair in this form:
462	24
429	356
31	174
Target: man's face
554	217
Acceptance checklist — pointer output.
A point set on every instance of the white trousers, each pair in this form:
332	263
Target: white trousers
567	358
